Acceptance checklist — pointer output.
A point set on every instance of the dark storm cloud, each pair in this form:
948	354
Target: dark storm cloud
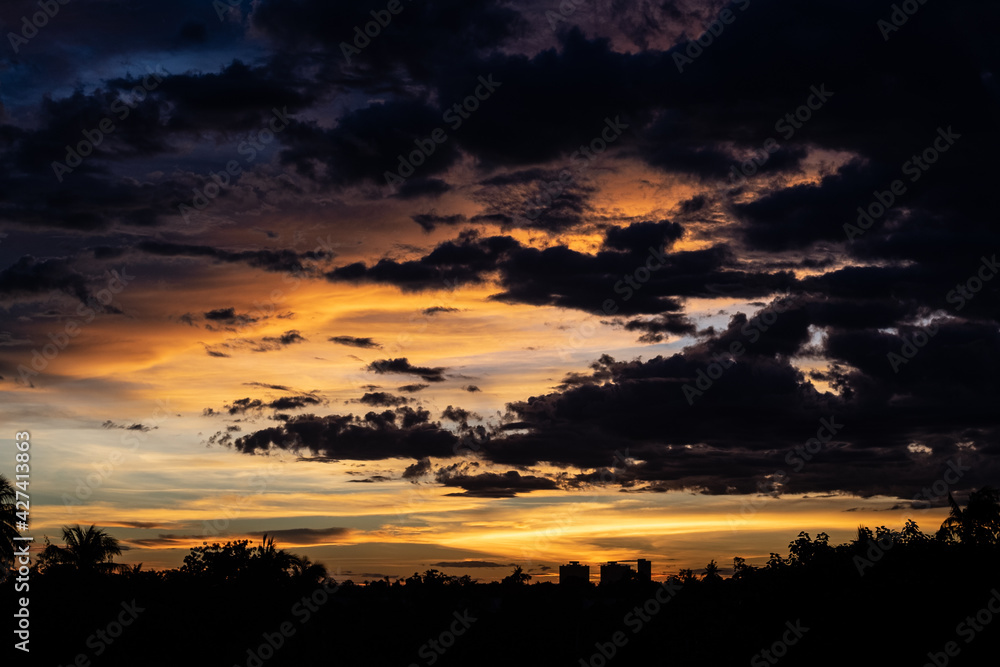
221	315
354	341
293	402
263	344
422	38
549	200
490	484
749	421
30	277
854	300
129	427
244	405
238	98
228	317
418	469
414	188
271	343
430	221
640	235
383	399
463	261
563	277
404	367
136	130
886	100
365	143
803	214
403	433
655	328
458	415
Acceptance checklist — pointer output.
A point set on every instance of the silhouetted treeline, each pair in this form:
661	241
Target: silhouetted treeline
885	597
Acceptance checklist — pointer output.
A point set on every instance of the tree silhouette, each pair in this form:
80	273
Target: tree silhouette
740	567
911	535
711	572
516	578
238	560
87	551
220	562
978	524
307	571
8	529
434	577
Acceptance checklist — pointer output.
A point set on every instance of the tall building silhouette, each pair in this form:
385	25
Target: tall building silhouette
574	573
612	572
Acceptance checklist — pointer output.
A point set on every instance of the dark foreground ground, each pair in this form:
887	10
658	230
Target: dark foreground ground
910	607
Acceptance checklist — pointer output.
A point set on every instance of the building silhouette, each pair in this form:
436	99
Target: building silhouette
574	573
612	572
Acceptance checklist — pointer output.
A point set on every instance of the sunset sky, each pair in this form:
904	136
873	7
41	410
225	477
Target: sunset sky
498	282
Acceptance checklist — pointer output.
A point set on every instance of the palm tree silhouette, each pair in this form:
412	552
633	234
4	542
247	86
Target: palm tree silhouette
979	523
87	551
8	529
303	569
711	572
516	578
